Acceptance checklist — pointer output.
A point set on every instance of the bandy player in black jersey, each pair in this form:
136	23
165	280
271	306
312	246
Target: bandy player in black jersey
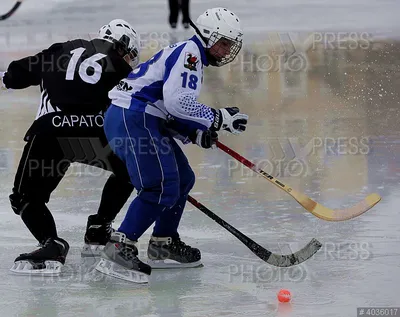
74	78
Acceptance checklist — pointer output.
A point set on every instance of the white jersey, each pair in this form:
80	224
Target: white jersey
168	84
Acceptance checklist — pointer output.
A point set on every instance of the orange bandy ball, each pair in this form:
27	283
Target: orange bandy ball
284	296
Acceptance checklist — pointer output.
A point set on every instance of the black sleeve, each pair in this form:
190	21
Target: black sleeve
181	128
28	71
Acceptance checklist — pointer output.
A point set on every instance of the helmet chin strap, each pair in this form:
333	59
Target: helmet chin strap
211	59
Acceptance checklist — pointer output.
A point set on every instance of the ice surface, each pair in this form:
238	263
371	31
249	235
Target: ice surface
357	15
344	97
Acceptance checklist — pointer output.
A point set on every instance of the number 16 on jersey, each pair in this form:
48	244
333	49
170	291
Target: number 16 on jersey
83	68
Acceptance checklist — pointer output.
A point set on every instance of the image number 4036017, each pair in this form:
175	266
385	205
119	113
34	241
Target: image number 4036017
189	81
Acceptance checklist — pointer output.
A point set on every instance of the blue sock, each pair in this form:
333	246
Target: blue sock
141	214
168	222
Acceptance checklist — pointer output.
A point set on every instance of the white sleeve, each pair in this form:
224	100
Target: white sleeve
182	84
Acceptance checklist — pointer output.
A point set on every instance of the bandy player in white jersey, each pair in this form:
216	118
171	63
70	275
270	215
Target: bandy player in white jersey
156	103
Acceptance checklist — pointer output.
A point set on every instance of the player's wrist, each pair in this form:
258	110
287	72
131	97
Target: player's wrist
218	119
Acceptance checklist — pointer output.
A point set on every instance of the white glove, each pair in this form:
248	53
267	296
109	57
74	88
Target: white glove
229	119
2	86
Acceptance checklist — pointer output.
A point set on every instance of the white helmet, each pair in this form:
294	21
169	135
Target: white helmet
122	33
218	23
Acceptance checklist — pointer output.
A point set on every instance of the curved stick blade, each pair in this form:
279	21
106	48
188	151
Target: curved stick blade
274	259
296	258
306	202
328	214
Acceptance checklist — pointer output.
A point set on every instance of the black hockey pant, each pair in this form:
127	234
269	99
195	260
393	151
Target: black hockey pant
44	162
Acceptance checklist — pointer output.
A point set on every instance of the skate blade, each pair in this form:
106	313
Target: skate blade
112	269
171	264
91	250
53	268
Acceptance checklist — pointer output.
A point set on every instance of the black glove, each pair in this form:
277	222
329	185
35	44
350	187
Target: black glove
205	139
229	119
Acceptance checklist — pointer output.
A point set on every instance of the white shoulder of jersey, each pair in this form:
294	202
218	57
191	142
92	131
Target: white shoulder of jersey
182	85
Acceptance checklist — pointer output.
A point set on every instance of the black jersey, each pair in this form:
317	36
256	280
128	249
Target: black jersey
74	77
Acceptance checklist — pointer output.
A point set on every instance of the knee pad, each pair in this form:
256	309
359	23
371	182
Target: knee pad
18	204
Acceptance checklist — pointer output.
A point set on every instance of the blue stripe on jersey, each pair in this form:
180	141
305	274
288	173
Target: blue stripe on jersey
204	60
142	68
151	93
171	61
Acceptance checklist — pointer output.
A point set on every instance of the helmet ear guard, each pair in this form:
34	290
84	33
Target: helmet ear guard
123	46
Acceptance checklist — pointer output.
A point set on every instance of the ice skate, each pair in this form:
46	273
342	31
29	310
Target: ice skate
167	252
46	261
98	233
120	259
